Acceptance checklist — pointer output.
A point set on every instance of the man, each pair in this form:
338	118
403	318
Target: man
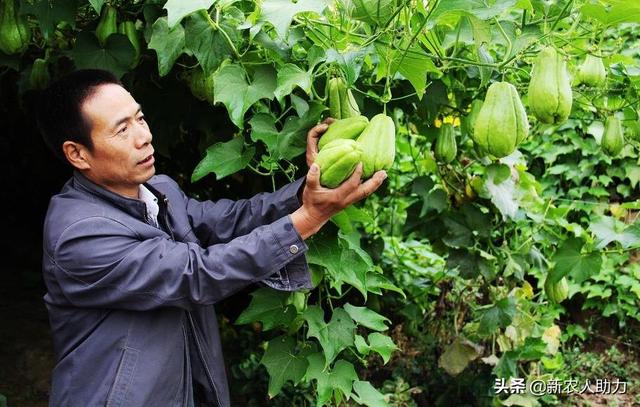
133	266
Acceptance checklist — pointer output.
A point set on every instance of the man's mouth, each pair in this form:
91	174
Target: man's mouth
146	160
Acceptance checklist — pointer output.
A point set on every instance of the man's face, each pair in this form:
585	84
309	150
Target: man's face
122	156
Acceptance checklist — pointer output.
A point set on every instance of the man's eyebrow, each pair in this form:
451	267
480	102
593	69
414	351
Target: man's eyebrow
125	119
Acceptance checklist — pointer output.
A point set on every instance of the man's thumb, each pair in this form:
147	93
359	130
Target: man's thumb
313	176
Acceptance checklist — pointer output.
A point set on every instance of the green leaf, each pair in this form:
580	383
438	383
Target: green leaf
458	355
465	225
168	44
290	76
339	379
263	128
269	307
178	9
448	11
208	42
366	317
469	264
410	62
570	261
292	140
116	56
280	12
350	62
368	395
49	13
224	159
607	230
497	316
334	336
382	345
233	90
97	5
284	363
376	281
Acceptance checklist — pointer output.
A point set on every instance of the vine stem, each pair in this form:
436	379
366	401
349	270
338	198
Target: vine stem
218	27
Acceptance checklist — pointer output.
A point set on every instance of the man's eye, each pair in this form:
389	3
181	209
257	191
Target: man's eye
141	118
123	130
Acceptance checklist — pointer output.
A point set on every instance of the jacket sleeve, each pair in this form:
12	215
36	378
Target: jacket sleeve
101	262
224	219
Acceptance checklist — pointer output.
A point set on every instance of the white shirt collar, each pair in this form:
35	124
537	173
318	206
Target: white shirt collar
151	201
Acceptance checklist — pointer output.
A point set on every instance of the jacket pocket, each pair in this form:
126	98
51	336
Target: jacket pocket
124	376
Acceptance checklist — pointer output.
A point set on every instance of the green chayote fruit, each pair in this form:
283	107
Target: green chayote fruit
550	94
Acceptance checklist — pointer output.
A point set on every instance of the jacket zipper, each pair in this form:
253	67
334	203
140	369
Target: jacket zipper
207	372
202	360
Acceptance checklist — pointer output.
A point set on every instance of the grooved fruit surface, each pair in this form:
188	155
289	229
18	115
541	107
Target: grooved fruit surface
550	94
502	122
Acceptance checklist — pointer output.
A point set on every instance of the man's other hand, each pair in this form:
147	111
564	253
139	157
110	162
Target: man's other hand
319	204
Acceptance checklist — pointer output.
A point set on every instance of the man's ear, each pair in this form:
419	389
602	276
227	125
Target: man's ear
76	154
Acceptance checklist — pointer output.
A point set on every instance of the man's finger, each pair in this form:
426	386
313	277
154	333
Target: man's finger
329	120
316	131
313	177
351	183
368	187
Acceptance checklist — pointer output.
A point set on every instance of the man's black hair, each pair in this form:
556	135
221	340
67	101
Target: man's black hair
59	111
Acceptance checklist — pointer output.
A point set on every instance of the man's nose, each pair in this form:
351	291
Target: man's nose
143	135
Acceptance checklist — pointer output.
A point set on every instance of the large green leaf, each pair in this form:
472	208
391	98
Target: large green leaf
379	343
280	12
284	362
289	77
449	11
269	307
224	159
232	88
334	336
409	61
366	317
178	9
209	42
368	395
340	378
607	230
116	56
570	261
49	13
497	316
168	44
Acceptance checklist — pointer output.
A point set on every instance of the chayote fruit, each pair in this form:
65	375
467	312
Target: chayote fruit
337	161
501	124
592	71
342	104
550	95
446	148
349	128
107	25
557	292
39	77
378	141
14	31
128	28
612	139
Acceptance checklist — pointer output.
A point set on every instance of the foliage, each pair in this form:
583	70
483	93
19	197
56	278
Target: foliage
448	261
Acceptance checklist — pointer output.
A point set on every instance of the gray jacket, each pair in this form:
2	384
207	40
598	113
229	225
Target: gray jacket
131	304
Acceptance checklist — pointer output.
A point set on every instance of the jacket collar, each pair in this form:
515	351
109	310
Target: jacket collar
133	207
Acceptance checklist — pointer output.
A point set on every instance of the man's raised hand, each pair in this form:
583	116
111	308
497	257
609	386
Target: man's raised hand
319	204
